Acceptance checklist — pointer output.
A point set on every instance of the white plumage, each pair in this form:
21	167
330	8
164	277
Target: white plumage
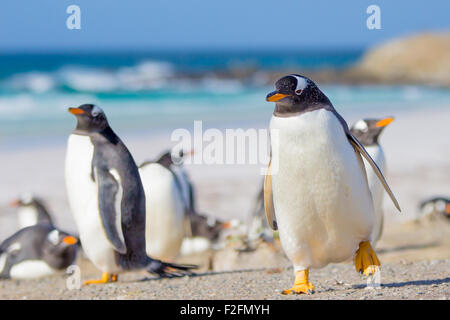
83	200
376	188
164	230
322	202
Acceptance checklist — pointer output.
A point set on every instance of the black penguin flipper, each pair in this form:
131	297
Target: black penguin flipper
109	204
170	270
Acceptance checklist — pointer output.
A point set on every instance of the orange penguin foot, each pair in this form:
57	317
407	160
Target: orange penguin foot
366	260
301	284
106	278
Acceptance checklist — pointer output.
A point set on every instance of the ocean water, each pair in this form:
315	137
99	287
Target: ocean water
163	91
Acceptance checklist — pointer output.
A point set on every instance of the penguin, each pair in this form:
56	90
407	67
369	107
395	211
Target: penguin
173	160
436	206
367	131
166	225
107	199
37	251
258	228
30	211
316	192
165	209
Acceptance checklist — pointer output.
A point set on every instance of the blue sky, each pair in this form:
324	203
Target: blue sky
40	25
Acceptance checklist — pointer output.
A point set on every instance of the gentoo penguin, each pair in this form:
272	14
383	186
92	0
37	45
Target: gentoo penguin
435	207
173	160
258	228
165	222
367	132
107	198
315	190
36	251
31	210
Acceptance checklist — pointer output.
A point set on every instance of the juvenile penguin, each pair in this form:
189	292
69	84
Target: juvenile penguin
367	131
315	191
107	198
30	211
165	222
36	251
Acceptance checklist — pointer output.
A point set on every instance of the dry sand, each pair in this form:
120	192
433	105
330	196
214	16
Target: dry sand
416	256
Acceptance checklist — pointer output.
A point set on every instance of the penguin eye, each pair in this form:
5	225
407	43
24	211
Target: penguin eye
298	91
94	113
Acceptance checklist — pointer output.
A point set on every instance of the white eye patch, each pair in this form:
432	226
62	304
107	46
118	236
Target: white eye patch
301	83
361	125
26	198
14	247
53	237
96	111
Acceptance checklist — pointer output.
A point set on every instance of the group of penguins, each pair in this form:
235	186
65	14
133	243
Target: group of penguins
323	193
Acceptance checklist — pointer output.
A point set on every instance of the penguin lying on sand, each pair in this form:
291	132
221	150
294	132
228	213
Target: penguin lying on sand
31	210
108	200
315	191
36	251
437	206
367	131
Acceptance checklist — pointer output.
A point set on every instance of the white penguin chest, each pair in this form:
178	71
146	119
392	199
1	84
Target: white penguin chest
321	199
80	186
28	216
164	212
83	200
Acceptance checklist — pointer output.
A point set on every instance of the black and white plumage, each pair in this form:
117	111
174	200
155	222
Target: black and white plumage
315	191
37	251
107	198
367	131
173	188
435	207
31	210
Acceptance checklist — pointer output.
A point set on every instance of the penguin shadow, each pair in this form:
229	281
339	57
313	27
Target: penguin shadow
200	274
408	283
409	247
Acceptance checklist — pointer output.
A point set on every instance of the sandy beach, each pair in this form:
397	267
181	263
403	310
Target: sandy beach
416	255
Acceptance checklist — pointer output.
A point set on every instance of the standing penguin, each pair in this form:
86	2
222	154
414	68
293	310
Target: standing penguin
173	160
165	223
315	191
31	211
36	251
170	209
367	132
107	198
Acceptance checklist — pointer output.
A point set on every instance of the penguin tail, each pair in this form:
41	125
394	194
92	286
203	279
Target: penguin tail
170	270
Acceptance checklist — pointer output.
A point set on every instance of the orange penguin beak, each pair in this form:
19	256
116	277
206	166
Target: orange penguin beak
70	240
76	111
275	96
384	122
14	203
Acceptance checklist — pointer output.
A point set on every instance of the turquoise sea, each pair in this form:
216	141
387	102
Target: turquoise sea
160	91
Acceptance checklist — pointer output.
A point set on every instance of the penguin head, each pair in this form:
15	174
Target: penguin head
367	131
90	118
59	248
25	199
178	155
439	205
295	93
58	241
